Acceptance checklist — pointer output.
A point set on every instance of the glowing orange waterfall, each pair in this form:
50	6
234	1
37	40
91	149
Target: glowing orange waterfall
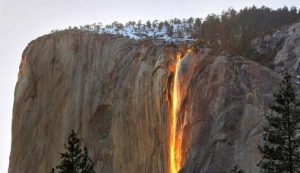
176	129
174	149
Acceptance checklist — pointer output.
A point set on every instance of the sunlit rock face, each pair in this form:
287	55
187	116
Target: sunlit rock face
117	94
110	90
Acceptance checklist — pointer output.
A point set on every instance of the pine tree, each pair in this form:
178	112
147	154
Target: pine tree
170	31
281	149
237	169
74	160
148	24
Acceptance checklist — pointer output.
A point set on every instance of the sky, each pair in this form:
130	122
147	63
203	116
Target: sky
24	20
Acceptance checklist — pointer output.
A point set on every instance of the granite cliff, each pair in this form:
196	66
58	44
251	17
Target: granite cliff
117	94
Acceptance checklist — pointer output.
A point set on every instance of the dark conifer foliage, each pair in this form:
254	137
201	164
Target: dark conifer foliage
74	160
231	30
237	169
281	149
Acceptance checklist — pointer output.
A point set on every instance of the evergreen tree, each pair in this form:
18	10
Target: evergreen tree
237	169
281	149
170	31
190	22
74	160
198	24
148	24
139	24
160	26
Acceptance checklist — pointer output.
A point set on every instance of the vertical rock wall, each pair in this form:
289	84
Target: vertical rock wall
110	90
115	93
223	114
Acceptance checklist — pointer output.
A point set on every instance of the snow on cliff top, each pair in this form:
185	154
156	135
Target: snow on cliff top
175	33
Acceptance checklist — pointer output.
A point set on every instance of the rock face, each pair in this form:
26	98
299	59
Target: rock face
264	44
115	93
285	44
108	89
288	58
223	114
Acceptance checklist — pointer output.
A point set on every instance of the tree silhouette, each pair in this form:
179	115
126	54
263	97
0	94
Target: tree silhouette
281	149
74	160
237	169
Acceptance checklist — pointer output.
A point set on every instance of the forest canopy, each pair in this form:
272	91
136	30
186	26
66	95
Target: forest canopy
231	30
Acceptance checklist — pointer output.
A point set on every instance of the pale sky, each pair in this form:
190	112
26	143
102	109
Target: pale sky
24	20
